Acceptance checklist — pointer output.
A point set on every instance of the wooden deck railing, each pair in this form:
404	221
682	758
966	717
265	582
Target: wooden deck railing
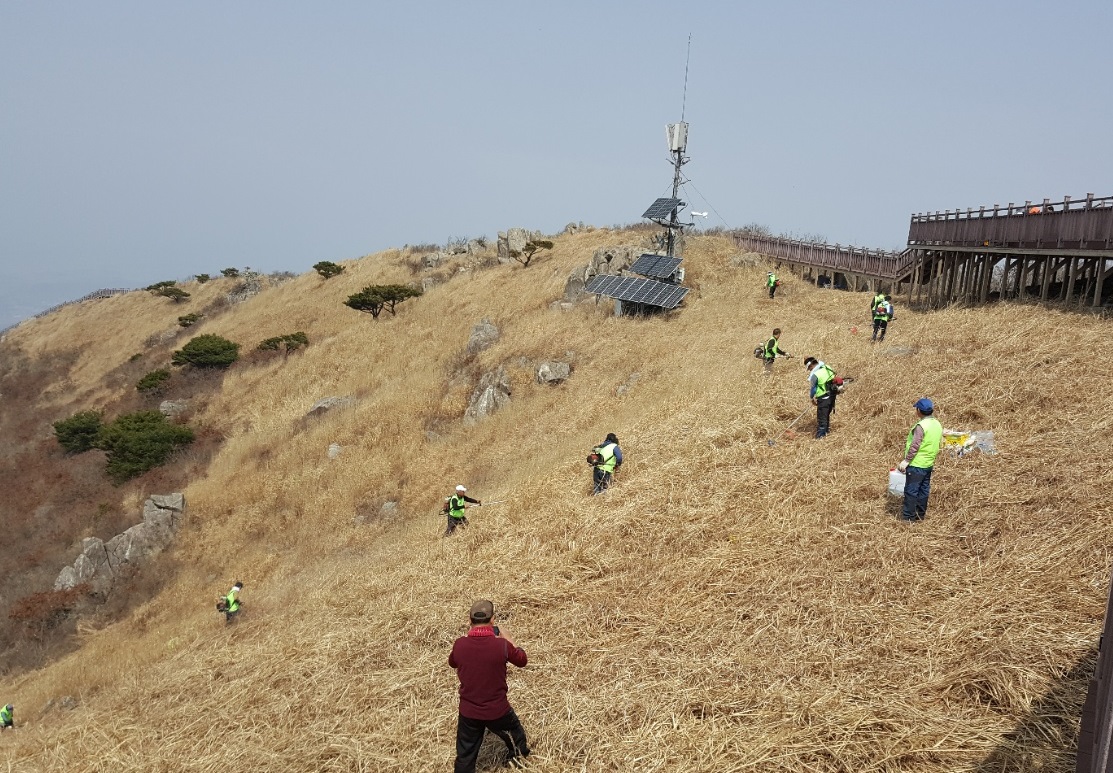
833	257
1085	225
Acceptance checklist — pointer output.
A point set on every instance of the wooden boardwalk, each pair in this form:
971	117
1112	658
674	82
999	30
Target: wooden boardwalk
1051	251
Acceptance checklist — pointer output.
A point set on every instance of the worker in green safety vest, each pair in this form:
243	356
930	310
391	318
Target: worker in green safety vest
608	458
232	603
772	283
877	299
7	717
454	508
823	389
773	350
920	449
882	313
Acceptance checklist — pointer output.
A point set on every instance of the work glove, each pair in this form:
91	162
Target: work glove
903	465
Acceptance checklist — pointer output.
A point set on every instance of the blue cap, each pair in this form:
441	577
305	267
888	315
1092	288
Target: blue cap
924	405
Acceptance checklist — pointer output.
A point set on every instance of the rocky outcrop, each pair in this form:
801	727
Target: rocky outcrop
321	407
171	408
100	561
483	336
514	240
492	393
553	372
608	261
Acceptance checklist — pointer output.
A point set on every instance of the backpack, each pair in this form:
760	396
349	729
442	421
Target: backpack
595	458
222	605
759	351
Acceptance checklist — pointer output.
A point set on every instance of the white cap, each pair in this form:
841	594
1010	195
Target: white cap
461	488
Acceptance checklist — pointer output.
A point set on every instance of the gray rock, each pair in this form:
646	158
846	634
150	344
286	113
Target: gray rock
175	502
429	282
475	247
514	240
612	260
334	450
322	407
434	260
388	510
67	578
574	287
492	393
553	372
173	407
483	336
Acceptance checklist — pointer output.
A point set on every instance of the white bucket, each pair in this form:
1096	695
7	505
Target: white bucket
896	482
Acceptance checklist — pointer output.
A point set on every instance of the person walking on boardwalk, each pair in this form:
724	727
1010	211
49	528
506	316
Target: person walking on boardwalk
823	388
605	459
454	508
7	717
773	350
882	313
772	283
920	449
480	660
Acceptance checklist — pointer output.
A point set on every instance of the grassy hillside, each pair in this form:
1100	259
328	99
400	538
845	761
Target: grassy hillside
729	605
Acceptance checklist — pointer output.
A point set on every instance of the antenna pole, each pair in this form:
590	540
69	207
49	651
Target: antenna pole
684	98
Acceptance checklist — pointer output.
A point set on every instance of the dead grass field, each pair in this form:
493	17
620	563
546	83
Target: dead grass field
728	606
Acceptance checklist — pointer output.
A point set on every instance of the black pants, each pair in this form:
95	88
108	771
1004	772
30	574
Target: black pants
882	325
453	523
469	737
600	479
772	291
823	408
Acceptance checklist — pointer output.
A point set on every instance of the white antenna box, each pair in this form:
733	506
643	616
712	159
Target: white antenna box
677	135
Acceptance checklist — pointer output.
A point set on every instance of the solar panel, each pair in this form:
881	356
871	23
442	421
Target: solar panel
638	290
658	266
661	208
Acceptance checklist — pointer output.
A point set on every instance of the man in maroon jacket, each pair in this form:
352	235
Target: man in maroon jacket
480	660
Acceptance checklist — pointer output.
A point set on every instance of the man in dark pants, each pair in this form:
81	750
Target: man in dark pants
610	459
454	508
882	313
822	390
920	449
480	660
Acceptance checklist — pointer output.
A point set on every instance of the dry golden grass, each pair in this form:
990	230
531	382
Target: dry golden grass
728	606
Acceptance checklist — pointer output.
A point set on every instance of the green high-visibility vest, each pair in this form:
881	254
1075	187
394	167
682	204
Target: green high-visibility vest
823	377
771	349
5	716
771	280
879	298
609	459
232	601
929	446
456	506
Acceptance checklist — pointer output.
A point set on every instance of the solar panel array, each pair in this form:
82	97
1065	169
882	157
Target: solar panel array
658	266
661	208
638	290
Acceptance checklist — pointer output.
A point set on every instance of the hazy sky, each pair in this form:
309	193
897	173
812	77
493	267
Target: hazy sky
142	141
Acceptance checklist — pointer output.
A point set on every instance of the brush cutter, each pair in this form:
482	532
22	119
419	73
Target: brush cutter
790	426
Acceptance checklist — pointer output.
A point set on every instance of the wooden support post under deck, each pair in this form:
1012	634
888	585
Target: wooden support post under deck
1099	279
987	275
1072	273
1045	280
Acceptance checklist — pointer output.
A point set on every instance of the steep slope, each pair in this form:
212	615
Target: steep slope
729	605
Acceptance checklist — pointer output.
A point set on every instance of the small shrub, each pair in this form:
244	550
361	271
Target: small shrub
40	612
136	356
282	276
175	294
153	381
231	273
189	320
202	278
78	433
137	442
374	298
530	249
158	287
207	351
328	269
289	342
